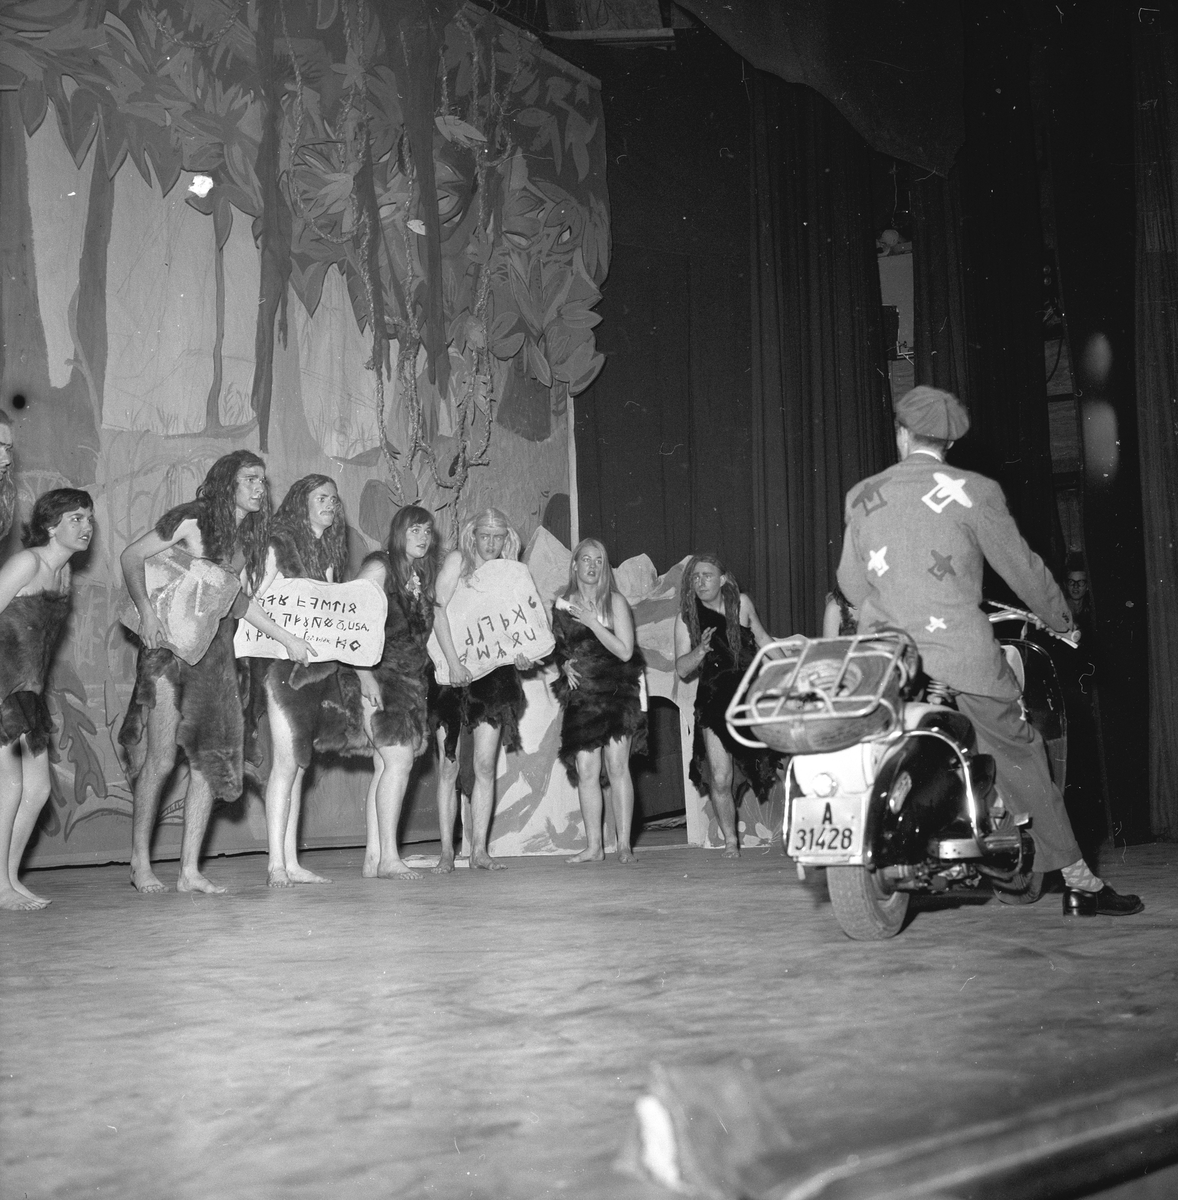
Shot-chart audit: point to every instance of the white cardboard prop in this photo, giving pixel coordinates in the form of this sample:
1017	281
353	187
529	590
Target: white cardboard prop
189	596
494	615
343	621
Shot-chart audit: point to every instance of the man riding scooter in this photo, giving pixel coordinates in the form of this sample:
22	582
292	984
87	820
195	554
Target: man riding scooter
916	538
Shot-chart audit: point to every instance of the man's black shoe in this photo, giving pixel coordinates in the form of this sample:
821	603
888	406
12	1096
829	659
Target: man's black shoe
1105	903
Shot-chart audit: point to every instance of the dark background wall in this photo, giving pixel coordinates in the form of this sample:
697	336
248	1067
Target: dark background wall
663	435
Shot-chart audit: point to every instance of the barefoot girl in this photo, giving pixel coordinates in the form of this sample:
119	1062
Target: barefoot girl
34	605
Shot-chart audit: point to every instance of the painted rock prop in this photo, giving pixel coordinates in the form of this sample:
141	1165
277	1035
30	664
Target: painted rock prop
189	596
494	615
343	621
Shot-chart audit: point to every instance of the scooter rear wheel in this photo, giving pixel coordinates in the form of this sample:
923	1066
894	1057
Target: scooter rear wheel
865	910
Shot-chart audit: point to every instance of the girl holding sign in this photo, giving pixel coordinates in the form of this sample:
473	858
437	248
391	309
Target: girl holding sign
308	708
396	692
34	607
489	706
600	690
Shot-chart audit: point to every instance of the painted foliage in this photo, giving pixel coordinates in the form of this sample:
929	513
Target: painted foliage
363	239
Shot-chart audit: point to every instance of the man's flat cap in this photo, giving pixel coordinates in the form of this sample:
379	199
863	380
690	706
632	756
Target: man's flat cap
931	413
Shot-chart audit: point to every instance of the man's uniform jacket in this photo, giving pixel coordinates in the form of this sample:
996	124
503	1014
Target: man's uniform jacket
916	538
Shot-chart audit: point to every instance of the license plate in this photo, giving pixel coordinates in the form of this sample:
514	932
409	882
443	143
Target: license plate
826	829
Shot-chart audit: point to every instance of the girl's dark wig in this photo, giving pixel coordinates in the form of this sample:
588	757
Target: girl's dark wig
316	554
49	510
219	491
402	565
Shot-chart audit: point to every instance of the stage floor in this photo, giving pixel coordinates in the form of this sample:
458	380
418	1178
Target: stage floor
486	1035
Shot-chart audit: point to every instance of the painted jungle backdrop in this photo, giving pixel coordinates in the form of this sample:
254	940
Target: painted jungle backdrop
365	239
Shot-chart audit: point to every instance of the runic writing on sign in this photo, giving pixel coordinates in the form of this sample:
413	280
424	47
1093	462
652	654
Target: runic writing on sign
494	616
343	621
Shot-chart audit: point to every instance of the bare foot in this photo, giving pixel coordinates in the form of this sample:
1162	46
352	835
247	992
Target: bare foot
626	855
196	882
277	877
484	862
445	864
397	870
302	875
41	901
144	879
371	866
13	901
731	850
587	856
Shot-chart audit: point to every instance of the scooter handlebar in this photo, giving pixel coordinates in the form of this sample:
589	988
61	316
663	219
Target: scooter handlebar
1007	612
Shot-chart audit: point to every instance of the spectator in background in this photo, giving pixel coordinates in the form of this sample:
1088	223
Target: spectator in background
1084	790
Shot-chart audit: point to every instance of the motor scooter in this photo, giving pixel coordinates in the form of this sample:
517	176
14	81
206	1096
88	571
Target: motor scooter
886	791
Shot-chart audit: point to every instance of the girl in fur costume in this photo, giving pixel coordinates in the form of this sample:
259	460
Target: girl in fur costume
717	632
490	707
34	606
306	709
396	692
600	690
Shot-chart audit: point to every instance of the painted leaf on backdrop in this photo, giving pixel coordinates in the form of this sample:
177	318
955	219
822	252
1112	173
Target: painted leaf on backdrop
454	130
34	104
509	347
539	364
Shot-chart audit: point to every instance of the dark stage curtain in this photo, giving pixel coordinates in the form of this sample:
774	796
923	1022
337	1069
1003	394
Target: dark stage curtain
663	435
938	285
1089	94
892	68
821	402
978	278
1156	62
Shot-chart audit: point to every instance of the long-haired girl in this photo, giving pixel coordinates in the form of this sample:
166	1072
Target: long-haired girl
307	709
490	707
600	689
396	692
717	632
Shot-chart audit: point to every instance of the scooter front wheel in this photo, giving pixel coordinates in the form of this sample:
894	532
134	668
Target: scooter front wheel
865	909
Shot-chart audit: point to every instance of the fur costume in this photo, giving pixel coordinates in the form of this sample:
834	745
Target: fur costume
209	696
30	628
606	704
404	672
719	677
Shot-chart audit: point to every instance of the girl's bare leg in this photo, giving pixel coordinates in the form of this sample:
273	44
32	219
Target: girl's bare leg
592	805
393	779
18	816
482	800
295	871
621	794
720	762
447	797
283	772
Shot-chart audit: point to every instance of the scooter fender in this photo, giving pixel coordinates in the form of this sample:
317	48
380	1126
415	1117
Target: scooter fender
918	793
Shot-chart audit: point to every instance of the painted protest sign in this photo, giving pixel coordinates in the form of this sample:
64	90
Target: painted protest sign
189	596
343	621
494	615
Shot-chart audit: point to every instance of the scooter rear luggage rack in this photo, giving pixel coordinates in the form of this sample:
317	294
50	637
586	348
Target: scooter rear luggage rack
802	695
